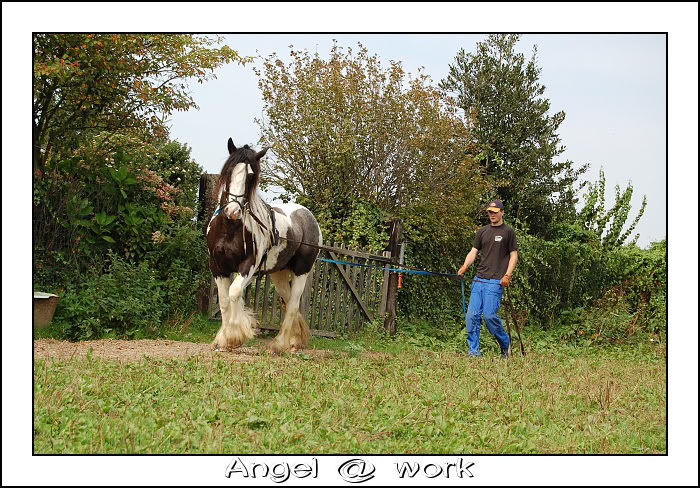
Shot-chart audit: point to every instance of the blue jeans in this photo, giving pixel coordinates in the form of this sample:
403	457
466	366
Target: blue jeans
485	298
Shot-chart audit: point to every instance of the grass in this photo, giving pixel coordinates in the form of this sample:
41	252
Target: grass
368	396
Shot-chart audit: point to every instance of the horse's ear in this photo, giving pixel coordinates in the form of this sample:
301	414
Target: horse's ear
260	154
231	147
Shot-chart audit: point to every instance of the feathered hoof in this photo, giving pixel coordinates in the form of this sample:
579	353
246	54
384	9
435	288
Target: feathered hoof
227	344
278	347
216	347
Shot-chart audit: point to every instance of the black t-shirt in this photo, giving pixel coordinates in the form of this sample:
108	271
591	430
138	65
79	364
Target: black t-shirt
495	243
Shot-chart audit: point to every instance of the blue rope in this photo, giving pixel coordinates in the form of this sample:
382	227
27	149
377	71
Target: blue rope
464	301
397	270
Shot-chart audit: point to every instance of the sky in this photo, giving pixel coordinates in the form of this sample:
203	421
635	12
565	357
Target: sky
604	87
612	88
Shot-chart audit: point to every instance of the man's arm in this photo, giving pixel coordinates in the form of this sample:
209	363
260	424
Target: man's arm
468	261
512	261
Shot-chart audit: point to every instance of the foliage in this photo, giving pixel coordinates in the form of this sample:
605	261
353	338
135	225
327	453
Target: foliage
119	83
180	261
554	275
127	301
628	312
135	201
608	321
640	276
96	200
357	223
110	191
595	218
348	130
503	98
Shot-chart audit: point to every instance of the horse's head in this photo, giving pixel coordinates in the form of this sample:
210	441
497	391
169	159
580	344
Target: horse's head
239	179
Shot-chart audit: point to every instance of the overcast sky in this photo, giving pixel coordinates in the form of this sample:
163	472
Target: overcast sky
611	87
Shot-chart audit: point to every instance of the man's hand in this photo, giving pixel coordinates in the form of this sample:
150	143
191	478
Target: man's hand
462	270
505	281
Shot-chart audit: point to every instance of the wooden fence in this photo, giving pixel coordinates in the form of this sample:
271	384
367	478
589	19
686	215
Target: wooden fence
338	298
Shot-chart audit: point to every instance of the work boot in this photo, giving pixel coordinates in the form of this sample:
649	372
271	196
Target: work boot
504	353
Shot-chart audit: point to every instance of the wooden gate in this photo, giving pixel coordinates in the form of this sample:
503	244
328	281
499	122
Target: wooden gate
338	298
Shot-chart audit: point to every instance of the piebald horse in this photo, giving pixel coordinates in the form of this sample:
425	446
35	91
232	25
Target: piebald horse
249	237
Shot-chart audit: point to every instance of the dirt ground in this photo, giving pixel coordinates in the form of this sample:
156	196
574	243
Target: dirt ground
122	350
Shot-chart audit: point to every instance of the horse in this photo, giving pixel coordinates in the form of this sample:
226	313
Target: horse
249	237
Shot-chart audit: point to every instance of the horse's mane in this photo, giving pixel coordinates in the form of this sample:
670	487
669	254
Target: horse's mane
240	155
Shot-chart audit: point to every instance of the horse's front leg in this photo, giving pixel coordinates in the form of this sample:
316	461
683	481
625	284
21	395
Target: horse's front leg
237	322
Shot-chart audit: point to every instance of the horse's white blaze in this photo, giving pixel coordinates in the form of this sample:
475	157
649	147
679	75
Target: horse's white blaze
237	187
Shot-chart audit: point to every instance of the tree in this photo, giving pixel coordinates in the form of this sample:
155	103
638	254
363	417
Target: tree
346	129
504	100
595	218
114	82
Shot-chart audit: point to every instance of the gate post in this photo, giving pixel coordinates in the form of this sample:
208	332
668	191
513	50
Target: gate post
207	205
394	248
207	196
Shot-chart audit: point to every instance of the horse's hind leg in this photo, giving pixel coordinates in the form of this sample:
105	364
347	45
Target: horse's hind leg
237	323
283	288
294	333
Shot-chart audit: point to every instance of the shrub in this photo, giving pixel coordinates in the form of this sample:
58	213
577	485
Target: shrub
180	288
609	321
117	200
106	196
127	301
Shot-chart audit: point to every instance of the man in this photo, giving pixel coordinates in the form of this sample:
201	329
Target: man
499	254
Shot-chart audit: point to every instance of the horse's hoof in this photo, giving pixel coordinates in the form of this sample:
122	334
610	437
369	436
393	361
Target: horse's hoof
276	348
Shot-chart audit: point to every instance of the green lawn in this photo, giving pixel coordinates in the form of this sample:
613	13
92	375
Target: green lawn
354	400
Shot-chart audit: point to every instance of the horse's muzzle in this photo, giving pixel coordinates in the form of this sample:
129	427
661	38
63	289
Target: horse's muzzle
234	210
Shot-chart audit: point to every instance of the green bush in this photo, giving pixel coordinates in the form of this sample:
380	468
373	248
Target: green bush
126	301
552	276
641	276
180	289
116	200
113	193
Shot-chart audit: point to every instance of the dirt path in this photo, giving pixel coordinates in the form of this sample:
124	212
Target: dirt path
122	350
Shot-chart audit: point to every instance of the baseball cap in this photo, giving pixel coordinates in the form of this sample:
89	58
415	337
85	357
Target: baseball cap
495	206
